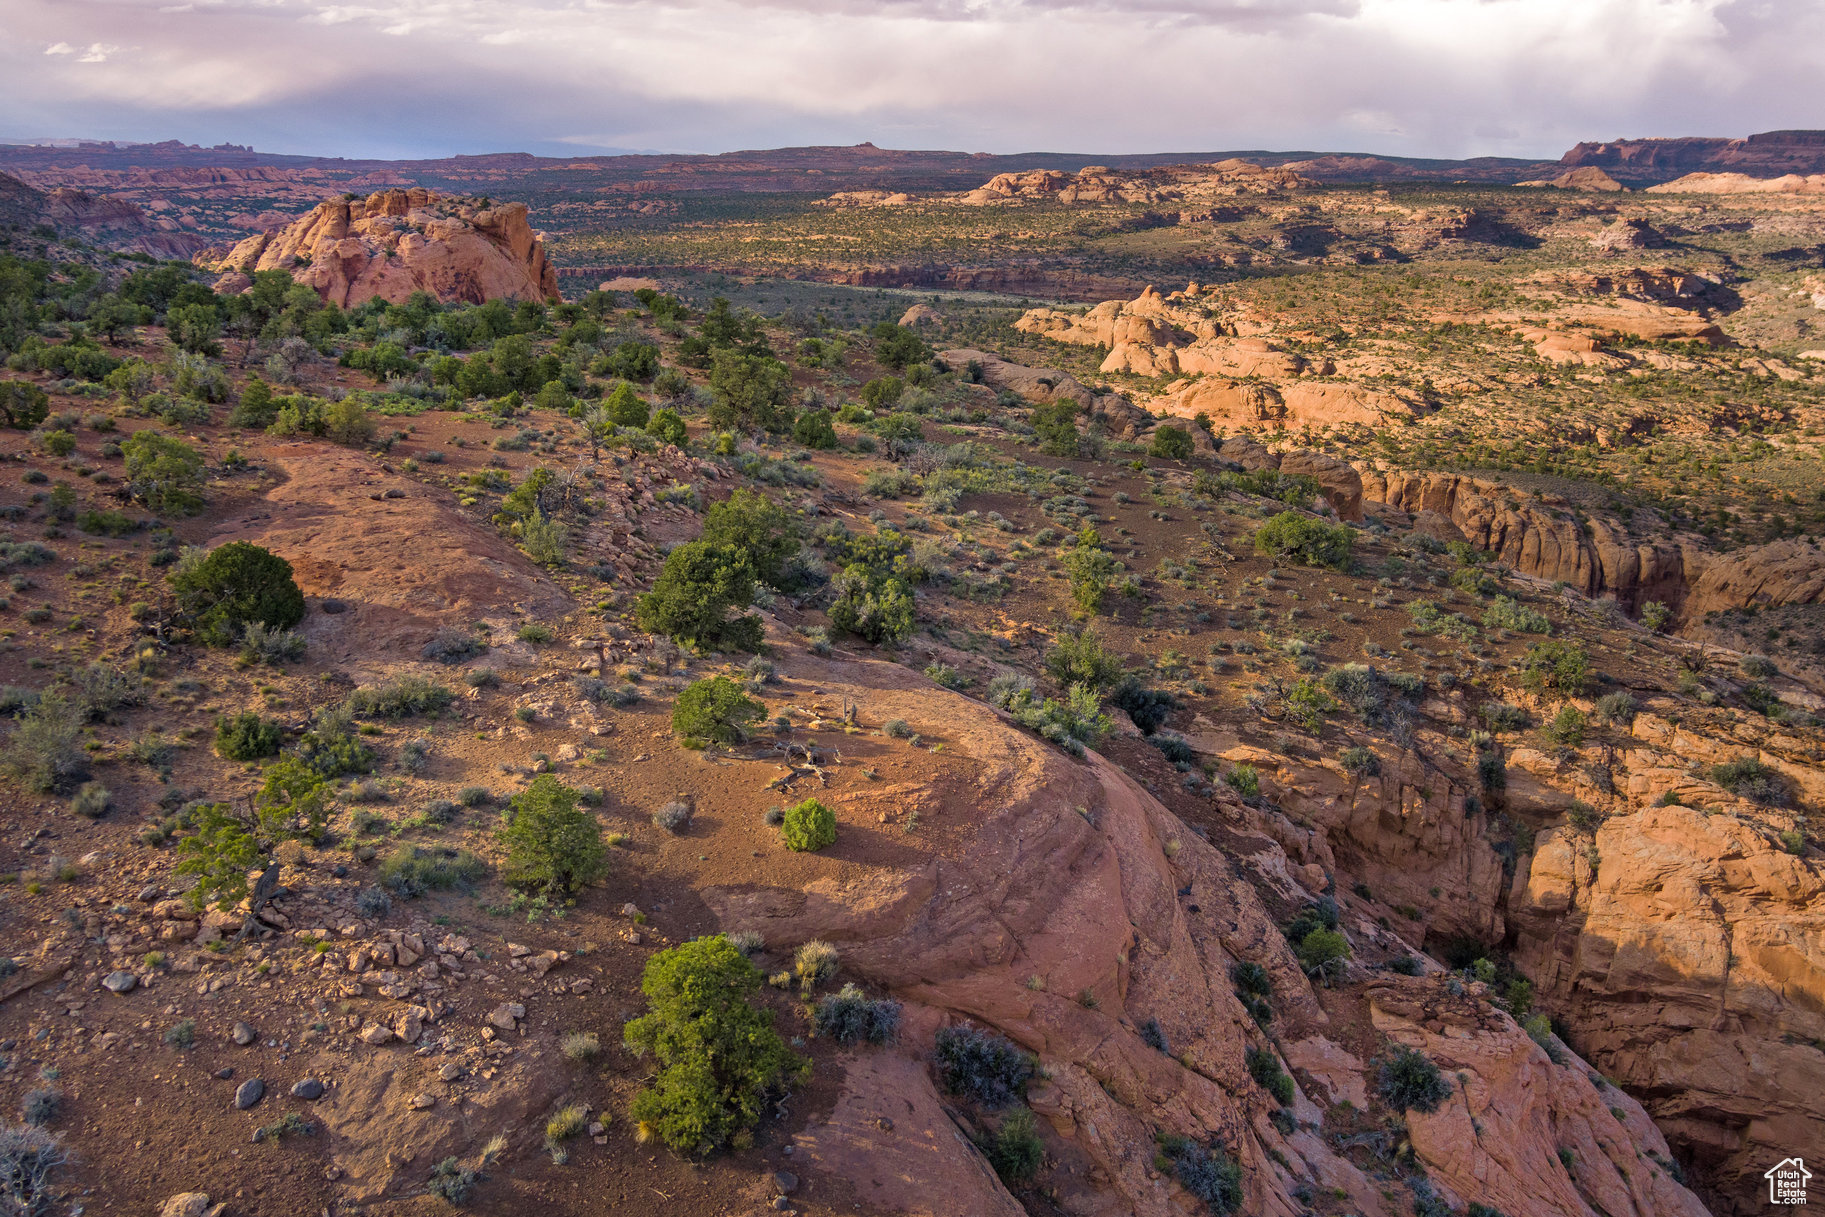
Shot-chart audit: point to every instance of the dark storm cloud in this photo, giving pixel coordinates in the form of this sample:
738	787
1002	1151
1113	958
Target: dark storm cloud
428	77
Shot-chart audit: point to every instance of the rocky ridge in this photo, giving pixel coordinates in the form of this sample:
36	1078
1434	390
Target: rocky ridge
397	242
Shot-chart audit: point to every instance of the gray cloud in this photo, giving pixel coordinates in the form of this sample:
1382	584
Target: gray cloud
430	77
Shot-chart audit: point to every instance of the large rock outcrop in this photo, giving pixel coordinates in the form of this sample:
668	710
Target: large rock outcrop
1685	949
396	242
1059	903
1597	555
1166	183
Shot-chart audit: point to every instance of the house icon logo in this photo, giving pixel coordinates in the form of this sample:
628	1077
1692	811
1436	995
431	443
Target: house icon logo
1787	1182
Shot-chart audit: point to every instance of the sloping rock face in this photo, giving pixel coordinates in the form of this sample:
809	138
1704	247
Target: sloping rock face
1769	576
1545	1109
1684	947
1254	404
1585	177
1063	906
396	242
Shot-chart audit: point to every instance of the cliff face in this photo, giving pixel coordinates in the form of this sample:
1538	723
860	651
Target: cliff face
1597	556
397	242
1768	154
1069	910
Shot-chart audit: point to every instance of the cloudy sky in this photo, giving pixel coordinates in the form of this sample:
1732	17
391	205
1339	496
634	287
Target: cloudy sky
399	78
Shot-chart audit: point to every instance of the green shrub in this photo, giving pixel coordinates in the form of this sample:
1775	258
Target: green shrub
107	523
1616	709
1322	954
1567	727
1655	615
45	752
980	1065
813	429
716	710
1170	443
697	587
1359	762
753	524
1014	1148
91	801
1307	540
1081	659
1208	1173
246	737
23	405
412	870
1293	489
872	605
1748	778
219	853
668	427
1556	667
717	1058
232	586
1091	570
748	390
1409	1081
1055	426
1245	780
551	843
401	697
1508	614
165	474
1265	1068
808	826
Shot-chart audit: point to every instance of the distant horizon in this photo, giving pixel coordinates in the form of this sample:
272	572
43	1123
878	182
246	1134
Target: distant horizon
73	142
427	79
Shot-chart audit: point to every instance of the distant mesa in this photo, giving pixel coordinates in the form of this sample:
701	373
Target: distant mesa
1742	183
106	222
396	242
1586	177
865	198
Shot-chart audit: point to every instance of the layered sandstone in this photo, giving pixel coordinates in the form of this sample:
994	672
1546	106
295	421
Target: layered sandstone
1167	183
1068	908
397	242
1683	947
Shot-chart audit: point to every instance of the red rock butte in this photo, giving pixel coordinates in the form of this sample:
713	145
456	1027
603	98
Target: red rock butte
396	242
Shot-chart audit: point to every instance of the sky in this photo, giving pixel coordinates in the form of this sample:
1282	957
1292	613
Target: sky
419	78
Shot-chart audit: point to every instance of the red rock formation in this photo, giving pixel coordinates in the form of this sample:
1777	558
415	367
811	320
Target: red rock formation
397	242
1071	908
1683	946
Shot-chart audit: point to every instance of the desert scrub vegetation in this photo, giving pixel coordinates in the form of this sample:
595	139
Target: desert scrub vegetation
716	1056
401	697
849	1016
1556	666
1507	614
1306	540
1409	1081
246	737
1208	1172
551	845
808	826
714	710
220	593
982	1066
1074	723
1013	1147
1746	777
413	870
